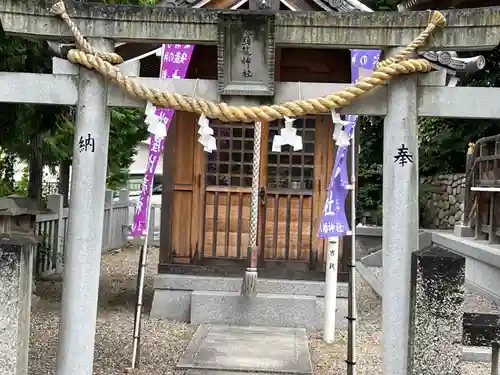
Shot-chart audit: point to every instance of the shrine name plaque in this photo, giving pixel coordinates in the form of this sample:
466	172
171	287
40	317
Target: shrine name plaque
246	54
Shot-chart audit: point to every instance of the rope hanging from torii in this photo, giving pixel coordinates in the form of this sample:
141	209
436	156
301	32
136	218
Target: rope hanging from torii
103	62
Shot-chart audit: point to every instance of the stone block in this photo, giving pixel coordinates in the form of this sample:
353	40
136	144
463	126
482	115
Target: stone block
172	304
130	68
64	67
16	269
340	313
373	260
252	350
461	230
373	277
233	284
368	231
424	239
481	330
437	305
274	310
483	279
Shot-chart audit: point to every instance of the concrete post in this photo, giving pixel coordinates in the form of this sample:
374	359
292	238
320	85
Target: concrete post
123	196
75	353
152	225
108	221
400	219
55	202
494	360
331	275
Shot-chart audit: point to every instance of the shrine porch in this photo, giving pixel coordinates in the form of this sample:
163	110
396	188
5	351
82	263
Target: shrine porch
215	299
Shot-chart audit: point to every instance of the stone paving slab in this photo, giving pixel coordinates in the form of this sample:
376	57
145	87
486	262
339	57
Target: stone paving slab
221	372
247	349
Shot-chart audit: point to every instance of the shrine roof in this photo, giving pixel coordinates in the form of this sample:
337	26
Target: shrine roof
307	5
150	66
466	29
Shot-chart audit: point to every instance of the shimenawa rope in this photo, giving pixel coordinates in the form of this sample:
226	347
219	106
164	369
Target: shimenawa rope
102	62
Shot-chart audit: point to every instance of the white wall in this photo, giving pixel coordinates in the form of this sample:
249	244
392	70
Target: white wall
48	176
141	160
138	166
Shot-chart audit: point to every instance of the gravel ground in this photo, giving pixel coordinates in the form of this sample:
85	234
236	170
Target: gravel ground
329	358
163	342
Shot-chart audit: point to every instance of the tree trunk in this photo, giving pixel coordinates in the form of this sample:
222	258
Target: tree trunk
64	168
35	180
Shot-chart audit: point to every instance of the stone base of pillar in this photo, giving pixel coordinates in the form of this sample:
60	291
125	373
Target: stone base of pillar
16	269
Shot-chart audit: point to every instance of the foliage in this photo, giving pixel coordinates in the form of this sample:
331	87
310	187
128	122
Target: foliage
21	123
6	173
127	129
442	142
386	5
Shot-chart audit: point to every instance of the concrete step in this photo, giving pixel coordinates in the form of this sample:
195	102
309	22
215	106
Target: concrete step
222	372
275	310
233	284
223	350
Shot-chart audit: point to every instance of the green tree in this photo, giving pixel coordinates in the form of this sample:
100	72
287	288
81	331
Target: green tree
43	135
442	142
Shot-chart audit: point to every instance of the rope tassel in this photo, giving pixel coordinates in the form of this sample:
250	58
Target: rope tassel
103	63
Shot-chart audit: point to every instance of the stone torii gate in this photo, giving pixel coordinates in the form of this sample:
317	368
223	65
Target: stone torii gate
402	101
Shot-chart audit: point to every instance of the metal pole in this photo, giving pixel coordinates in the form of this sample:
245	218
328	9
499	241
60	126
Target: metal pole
82	258
351	304
141	274
494	359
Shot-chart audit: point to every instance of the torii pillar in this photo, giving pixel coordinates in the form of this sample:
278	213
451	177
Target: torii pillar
400	219
82	258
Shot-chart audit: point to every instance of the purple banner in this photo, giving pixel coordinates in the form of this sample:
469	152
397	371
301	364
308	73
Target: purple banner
174	64
334	222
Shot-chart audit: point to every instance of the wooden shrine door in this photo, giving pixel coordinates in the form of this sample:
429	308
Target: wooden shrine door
183	170
291	189
228	191
293	184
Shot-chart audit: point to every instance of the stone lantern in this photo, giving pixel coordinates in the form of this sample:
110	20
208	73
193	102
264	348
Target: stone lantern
17	242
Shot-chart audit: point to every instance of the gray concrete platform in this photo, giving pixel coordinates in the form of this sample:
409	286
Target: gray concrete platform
275	310
217	349
233	284
215	296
